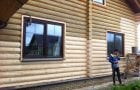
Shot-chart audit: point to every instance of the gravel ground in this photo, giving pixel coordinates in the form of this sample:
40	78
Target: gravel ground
107	85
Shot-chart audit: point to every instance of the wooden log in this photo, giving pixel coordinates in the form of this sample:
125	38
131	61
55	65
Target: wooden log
76	43
10	62
9	50
28	83
9	44
10	32
9	56
10	38
39	77
80	13
100	74
30	66
75	47
40	72
13	26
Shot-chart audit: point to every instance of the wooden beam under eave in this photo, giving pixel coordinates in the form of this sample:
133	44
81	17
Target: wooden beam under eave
134	5
8	8
137	16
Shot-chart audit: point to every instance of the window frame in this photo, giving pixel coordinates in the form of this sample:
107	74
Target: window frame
98	3
123	41
44	22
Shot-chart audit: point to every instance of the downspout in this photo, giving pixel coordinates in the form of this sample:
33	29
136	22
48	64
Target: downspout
138	3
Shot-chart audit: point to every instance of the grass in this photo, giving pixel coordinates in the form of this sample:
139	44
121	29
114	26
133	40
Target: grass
130	86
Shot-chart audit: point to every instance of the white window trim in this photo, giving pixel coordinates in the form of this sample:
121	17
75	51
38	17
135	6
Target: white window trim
99	3
44	59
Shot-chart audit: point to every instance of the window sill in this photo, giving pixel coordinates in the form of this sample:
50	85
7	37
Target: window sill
122	57
41	59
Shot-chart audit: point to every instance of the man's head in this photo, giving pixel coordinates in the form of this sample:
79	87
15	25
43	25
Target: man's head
116	52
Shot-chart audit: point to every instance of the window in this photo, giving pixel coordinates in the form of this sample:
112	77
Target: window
42	39
115	41
100	1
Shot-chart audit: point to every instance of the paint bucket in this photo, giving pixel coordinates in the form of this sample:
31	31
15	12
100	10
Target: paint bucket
134	50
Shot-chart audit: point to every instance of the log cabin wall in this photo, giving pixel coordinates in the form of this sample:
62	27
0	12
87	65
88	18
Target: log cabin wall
13	72
85	41
115	16
137	16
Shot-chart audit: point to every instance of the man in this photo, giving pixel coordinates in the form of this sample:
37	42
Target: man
114	60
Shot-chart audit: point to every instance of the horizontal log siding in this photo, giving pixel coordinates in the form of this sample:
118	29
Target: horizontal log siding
83	30
13	72
116	16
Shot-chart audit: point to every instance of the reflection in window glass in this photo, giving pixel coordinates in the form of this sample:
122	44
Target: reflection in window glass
110	42
118	43
115	41
34	40
54	34
99	1
42	39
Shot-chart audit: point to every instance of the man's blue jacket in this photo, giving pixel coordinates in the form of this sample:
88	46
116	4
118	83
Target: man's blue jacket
113	59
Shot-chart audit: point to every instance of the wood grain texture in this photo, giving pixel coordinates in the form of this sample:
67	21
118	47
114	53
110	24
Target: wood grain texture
116	16
13	72
85	41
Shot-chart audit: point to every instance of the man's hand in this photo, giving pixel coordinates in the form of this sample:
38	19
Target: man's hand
118	54
116	62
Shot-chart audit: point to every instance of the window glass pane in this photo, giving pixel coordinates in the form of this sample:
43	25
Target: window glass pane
42	39
99	1
119	43
34	40
54	34
110	43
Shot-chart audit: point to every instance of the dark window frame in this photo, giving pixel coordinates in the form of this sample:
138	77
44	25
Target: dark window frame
44	22
116	33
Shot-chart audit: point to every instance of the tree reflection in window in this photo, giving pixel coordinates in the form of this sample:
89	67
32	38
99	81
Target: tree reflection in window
110	43
34	39
54	34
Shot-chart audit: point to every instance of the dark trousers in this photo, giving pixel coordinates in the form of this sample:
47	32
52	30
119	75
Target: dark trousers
117	70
